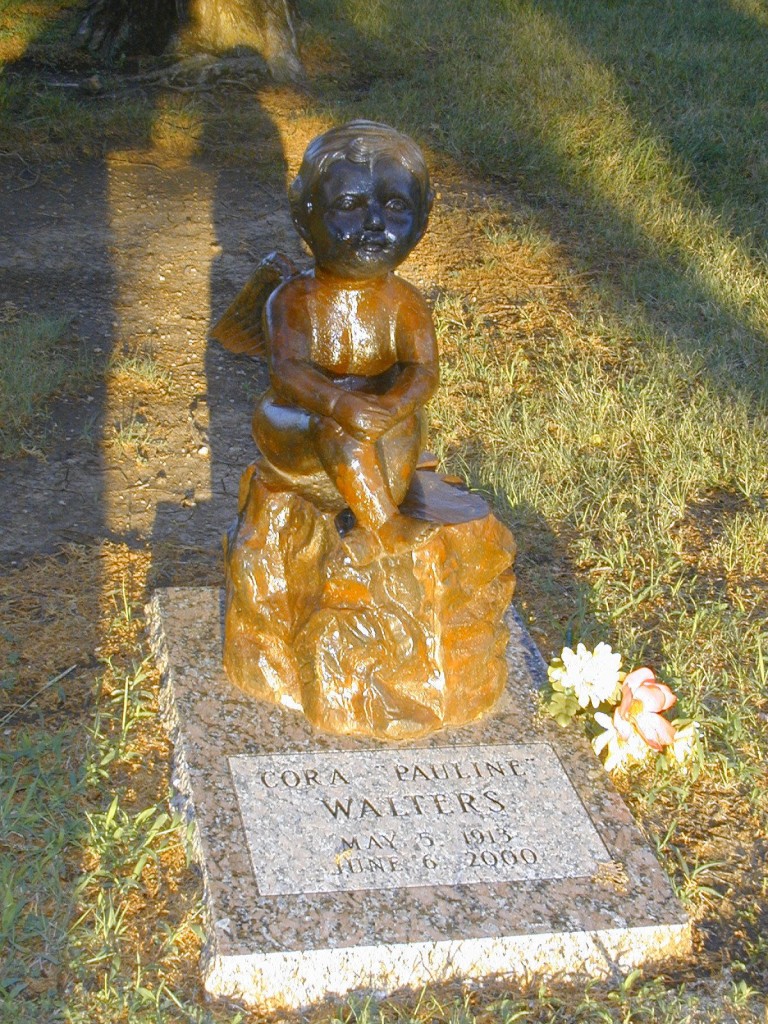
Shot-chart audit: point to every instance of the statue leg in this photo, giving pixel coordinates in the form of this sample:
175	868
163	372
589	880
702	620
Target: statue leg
356	469
281	432
373	480
289	461
315	458
400	448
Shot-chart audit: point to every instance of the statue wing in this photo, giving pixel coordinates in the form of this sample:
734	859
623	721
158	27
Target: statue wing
240	329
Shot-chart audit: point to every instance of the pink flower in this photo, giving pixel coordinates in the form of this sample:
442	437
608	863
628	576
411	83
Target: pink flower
642	700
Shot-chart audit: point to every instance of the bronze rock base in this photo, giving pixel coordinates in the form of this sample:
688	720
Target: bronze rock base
395	649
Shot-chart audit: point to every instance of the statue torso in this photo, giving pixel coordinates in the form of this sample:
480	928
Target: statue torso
349	330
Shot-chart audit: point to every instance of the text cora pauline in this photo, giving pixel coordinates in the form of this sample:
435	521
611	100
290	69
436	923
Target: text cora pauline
404	804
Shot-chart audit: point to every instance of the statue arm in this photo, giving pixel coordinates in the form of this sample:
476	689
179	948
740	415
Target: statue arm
363	416
417	358
297	381
414	387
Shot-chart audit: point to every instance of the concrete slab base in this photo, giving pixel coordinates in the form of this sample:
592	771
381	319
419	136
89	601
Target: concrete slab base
334	866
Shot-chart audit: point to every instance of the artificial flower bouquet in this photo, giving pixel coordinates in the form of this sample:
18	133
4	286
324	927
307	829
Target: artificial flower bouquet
583	683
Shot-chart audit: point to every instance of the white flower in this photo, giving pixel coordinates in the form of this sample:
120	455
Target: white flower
592	675
621	748
685	744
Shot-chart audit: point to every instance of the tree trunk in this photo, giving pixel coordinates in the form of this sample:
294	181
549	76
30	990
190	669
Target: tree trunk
129	28
263	25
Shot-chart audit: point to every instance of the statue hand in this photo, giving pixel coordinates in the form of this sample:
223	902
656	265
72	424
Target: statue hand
362	416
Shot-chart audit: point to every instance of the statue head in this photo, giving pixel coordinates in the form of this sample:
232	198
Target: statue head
361	199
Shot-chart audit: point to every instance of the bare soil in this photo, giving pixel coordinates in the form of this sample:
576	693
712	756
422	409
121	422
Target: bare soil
138	253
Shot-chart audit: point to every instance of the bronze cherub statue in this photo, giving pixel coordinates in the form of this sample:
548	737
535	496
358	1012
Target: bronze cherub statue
352	360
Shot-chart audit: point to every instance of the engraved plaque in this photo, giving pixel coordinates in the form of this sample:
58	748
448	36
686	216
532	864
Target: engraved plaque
396	818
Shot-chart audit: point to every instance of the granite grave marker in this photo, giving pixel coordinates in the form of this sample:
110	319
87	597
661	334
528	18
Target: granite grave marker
334	865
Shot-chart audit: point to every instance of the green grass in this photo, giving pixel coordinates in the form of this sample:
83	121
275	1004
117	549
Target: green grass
61	103
621	427
44	119
606	108
132	433
79	852
24	25
55	101
39	774
141	368
38	360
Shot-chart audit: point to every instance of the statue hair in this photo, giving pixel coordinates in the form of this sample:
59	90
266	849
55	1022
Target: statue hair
361	142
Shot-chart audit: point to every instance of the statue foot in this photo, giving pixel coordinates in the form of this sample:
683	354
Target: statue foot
399	534
361	546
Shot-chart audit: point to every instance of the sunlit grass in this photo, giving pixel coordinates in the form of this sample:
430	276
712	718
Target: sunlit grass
619	417
597	101
23	22
177	127
140	368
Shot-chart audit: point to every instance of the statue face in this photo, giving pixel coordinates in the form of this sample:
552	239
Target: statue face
364	220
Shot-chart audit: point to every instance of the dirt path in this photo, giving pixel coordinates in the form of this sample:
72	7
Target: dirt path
137	255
